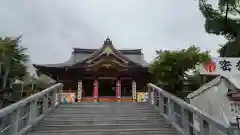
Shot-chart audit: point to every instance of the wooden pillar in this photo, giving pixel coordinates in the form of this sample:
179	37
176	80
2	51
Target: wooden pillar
95	90
134	90
79	94
118	89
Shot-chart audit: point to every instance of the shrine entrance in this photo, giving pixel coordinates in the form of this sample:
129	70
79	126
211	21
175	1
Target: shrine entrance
107	88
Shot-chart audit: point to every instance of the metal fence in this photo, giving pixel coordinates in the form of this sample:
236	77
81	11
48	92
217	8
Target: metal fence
18	118
184	117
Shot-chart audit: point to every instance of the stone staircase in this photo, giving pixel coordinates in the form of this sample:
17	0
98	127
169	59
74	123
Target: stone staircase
109	118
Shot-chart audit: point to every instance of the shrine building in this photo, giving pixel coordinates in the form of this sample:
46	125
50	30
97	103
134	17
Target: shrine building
104	74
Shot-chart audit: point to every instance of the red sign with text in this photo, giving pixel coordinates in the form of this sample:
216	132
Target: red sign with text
95	89
118	89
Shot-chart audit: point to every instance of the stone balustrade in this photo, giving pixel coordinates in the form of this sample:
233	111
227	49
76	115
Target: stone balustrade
18	118
181	115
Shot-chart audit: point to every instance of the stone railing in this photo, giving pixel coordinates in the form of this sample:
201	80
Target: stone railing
19	117
182	116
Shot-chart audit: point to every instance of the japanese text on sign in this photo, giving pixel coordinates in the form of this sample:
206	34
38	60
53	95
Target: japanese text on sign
221	65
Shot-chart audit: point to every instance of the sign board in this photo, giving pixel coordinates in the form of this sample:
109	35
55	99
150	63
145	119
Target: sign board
142	96
134	89
234	110
95	89
118	89
221	66
68	97
79	94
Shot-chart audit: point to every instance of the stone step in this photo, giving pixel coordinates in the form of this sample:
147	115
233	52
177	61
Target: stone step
109	132
99	126
46	122
102	115
163	130
99	111
89	106
103	119
100	122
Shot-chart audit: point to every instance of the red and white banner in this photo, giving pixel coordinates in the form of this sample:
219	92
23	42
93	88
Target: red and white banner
95	89
118	89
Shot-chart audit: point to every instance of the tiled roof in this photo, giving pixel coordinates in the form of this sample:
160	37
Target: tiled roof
79	55
234	80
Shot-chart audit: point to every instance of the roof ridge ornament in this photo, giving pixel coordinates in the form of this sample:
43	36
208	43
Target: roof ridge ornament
107	41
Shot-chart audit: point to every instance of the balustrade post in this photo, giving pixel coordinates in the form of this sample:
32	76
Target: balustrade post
155	94
152	95
161	102
59	94
15	122
185	121
45	103
171	110
204	127
202	132
149	94
54	94
32	112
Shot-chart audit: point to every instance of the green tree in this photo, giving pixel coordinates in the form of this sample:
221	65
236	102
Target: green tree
13	58
170	67
223	20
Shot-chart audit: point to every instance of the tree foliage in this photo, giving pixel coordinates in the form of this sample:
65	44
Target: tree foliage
170	67
13	57
223	20
230	49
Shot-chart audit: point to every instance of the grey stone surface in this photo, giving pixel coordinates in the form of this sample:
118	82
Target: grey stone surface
103	119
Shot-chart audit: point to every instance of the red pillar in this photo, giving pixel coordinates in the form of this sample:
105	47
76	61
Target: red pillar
95	89
118	89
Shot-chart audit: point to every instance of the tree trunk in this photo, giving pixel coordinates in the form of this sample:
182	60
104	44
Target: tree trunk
5	77
4	83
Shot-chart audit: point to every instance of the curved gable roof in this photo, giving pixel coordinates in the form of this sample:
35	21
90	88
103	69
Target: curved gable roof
81	54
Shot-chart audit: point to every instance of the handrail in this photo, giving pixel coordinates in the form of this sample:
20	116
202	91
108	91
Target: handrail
181	114
18	118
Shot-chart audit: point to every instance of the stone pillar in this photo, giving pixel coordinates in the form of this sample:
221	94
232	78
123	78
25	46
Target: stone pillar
118	90
134	94
95	90
79	93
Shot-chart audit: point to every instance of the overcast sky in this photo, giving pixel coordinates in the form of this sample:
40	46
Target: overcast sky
51	28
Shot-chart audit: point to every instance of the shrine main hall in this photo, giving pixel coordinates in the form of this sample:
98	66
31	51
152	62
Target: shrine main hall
104	74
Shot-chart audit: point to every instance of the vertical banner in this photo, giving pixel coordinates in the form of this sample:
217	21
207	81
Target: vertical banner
118	89
95	89
134	90
79	94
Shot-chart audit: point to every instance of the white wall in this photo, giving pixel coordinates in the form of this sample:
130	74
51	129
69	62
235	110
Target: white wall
214	100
